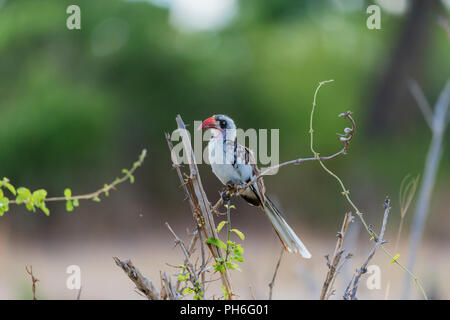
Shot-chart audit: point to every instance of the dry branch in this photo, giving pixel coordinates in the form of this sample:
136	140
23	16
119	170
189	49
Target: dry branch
272	283
187	187
168	291
200	205
33	281
338	252
142	284
193	275
351	294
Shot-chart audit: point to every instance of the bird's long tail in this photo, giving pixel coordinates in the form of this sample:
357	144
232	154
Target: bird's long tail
287	236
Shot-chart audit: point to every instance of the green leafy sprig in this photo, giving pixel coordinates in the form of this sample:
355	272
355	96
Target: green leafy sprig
38	199
233	251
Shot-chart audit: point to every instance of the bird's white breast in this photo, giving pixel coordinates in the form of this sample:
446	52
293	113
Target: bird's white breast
222	159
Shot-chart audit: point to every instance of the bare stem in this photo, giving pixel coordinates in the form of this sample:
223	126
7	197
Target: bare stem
33	281
272	283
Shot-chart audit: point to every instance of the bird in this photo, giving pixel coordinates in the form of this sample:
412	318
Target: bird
234	165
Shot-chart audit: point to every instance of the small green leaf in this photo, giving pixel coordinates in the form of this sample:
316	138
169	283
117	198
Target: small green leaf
187	291
395	258
45	209
131	179
220	226
239	259
96	199
239	233
233	266
68	193
4	205
23	195
75	202
39	196
9	186
69	206
238	250
216	242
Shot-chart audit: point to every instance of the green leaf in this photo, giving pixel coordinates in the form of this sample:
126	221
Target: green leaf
187	291
131	179
220	226
238	250
75	202
30	206
233	266
4	205
69	206
9	186
239	233
239	259
216	242
23	194
39	196
395	258
96	199
44	209
68	193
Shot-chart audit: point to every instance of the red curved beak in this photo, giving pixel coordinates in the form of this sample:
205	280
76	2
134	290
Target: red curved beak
208	124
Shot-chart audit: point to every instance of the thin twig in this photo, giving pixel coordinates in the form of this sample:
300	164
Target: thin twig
338	271
408	189
33	281
192	272
190	251
272	283
79	294
345	138
338	251
251	292
378	242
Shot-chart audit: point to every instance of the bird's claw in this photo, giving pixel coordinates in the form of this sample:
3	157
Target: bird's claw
226	196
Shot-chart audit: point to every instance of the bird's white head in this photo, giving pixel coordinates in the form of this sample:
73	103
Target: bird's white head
223	125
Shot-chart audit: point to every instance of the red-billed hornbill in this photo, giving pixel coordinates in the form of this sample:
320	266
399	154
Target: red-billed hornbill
234	165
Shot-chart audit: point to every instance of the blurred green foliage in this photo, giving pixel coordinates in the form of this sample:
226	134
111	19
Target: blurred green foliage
92	98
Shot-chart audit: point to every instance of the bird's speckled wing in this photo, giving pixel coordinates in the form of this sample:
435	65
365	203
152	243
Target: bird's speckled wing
244	161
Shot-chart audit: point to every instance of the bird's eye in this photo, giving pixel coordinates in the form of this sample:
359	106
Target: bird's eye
223	124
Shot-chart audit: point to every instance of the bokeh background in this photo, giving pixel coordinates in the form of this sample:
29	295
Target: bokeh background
77	106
